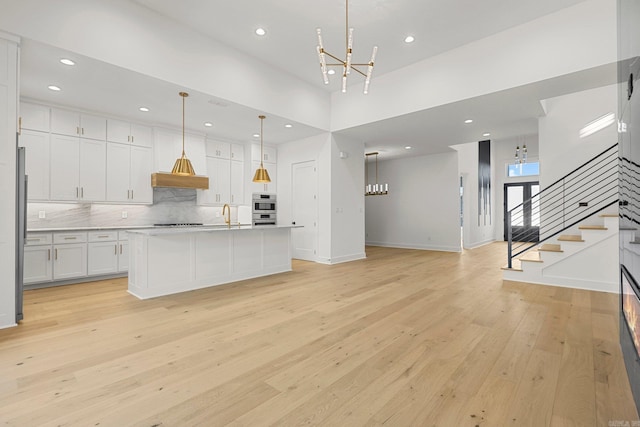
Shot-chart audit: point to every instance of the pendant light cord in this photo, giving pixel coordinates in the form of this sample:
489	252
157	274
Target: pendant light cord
183	95
261	152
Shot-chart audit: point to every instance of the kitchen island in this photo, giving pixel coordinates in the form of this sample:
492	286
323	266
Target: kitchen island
171	260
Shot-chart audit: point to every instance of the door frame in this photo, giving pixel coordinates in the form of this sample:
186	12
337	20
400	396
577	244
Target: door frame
526	195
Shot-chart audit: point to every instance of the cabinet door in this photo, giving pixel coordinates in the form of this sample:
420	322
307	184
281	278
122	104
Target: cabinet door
141	168
65	122
123	256
118	189
269	154
223	176
93	170
69	261
65	166
37	163
34	117
210	196
141	135
118	131
237	183
102	258
93	127
37	264
237	152
257	187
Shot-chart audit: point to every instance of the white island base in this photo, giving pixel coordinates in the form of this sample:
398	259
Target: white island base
168	261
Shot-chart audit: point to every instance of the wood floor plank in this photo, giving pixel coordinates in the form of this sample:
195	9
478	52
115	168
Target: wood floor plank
402	338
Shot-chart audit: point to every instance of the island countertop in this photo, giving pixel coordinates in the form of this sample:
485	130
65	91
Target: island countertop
160	231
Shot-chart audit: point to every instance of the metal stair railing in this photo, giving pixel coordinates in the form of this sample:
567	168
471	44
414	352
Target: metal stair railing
629	193
583	192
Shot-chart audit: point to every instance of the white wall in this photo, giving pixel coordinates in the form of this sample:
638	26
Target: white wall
477	229
561	148
128	35
315	148
8	121
422	208
570	40
347	200
504	152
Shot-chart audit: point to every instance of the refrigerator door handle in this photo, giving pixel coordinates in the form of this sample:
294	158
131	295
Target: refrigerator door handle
24	211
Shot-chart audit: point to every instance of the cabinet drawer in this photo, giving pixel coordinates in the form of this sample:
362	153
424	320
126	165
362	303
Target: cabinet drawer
75	237
102	236
34	239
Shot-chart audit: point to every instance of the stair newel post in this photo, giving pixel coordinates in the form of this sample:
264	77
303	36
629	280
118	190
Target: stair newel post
509	239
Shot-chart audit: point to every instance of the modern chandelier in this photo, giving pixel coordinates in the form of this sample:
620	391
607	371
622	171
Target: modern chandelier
346	65
521	158
373	189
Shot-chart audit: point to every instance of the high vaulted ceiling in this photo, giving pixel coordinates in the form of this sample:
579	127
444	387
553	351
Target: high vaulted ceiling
289	48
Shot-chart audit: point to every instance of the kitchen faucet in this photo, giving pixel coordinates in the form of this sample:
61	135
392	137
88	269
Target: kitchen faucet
227	219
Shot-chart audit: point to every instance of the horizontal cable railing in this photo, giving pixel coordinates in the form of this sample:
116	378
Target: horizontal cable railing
585	191
629	191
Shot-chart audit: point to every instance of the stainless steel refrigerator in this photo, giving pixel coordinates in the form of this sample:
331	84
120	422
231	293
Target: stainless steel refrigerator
21	226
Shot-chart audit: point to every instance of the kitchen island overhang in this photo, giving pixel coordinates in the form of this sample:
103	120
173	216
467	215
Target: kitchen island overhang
169	261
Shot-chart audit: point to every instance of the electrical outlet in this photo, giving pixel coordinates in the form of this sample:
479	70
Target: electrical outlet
42	214
125	215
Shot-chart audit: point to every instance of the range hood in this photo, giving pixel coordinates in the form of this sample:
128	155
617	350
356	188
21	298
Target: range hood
172	180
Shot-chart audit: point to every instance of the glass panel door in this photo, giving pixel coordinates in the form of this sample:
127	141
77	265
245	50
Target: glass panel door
525	211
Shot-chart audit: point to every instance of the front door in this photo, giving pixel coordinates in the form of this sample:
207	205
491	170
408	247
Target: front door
525	219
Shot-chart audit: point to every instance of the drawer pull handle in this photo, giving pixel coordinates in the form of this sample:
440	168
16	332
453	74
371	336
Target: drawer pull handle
69	238
48	254
103	236
120	249
56	254
33	240
115	249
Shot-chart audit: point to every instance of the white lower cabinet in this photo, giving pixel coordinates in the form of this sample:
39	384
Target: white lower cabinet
69	261
38	265
74	255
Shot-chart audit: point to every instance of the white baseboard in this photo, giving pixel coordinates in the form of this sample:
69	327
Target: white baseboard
414	246
476	245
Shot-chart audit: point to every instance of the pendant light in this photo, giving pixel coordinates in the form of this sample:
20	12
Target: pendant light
374	189
261	174
183	165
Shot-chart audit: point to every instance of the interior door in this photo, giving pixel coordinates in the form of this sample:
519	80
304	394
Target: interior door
525	221
304	203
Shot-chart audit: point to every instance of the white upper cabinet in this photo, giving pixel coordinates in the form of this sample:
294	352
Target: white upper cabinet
268	153
129	133
237	152
218	149
36	163
78	169
167	148
129	169
64	122
34	117
237	183
270	187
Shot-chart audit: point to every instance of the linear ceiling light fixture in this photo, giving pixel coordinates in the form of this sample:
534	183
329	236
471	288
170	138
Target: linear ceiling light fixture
373	189
598	124
346	64
261	174
183	165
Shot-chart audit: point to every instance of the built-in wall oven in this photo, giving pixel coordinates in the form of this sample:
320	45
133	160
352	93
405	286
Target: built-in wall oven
263	207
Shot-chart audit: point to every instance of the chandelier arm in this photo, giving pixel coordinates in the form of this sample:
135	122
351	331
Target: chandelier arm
334	57
358	71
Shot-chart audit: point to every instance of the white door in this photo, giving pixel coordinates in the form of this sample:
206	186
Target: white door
304	204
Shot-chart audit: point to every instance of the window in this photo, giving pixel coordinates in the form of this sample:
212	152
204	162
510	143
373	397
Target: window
523	169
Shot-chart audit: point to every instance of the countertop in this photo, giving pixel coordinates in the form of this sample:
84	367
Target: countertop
128	227
158	231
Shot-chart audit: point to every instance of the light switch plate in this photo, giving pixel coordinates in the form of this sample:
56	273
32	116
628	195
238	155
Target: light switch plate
124	214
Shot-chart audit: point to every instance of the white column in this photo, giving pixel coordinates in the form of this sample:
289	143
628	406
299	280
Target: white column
8	126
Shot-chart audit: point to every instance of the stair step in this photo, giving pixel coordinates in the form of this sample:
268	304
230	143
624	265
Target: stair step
550	247
592	227
570	238
531	256
609	216
627	229
515	266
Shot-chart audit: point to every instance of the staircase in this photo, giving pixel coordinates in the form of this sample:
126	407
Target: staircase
584	257
576	231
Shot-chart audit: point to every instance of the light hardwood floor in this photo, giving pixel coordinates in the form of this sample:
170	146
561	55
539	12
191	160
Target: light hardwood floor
403	338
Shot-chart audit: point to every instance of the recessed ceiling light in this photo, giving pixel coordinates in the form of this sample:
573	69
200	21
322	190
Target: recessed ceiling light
67	61
261	31
486	134
408	147
208	124
54	88
331	72
256	135
468	121
288	125
144	109
409	39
